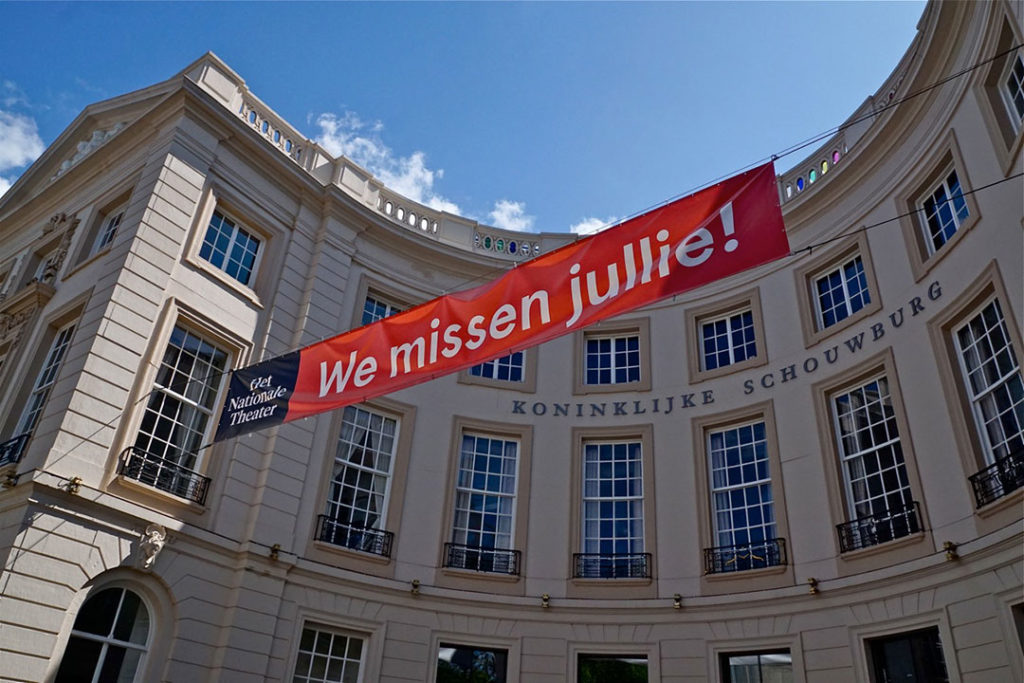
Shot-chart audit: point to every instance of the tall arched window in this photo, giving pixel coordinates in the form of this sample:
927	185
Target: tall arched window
109	639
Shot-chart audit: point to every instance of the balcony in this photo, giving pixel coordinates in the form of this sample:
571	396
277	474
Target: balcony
738	558
887	525
354	537
161	473
494	560
999	479
611	565
12	449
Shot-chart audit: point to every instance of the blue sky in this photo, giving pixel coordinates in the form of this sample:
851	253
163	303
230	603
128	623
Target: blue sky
531	116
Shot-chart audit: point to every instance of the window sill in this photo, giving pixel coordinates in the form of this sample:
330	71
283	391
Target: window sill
616	388
722	371
480	575
243	291
1010	500
611	581
819	336
360	555
152	491
881	548
746	574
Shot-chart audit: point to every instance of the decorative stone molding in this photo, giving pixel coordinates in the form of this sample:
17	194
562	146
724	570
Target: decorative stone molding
152	542
84	148
59	222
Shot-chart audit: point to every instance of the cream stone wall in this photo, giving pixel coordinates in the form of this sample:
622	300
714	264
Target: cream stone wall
241	574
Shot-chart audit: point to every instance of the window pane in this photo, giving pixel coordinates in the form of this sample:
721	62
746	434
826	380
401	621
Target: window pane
612	669
469	664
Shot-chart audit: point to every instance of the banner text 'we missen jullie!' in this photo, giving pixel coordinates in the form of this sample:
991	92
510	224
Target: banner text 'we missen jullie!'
715	233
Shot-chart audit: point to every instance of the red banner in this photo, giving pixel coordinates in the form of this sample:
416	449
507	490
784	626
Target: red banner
715	233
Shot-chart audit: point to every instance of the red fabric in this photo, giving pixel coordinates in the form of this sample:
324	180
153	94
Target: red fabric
691	226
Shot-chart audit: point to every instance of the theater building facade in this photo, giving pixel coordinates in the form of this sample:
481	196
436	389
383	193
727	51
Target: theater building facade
809	471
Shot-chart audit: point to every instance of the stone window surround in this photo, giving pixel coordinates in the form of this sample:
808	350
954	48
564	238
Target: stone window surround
337	555
513	646
528	385
988	285
615	327
652	651
700	427
1007	136
737	303
266	228
909	200
175	313
890	552
623	588
464	579
827	260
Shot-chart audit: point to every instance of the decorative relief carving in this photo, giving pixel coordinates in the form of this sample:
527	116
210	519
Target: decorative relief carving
152	542
87	146
56	259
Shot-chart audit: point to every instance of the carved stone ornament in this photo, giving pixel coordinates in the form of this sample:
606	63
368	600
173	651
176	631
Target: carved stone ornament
86	147
152	542
56	260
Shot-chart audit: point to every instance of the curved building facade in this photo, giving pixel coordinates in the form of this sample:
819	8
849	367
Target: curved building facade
810	471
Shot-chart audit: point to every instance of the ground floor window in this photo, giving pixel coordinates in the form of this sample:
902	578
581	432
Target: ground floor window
108	640
607	668
775	666
912	657
471	664
328	656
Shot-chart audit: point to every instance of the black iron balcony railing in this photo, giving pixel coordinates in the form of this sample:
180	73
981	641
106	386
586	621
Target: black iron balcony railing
886	525
611	565
161	473
999	479
738	558
374	541
11	450
494	560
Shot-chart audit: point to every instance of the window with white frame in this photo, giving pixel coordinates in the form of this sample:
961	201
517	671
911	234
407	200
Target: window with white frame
230	247
1012	89
361	481
109	222
943	211
727	340
328	656
994	383
483	524
743	517
108	640
841	292
874	472
613	508
377	308
44	381
178	414
611	359
507	368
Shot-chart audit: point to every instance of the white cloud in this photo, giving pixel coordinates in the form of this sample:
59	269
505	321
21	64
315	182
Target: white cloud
20	143
510	215
591	225
361	142
5	185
